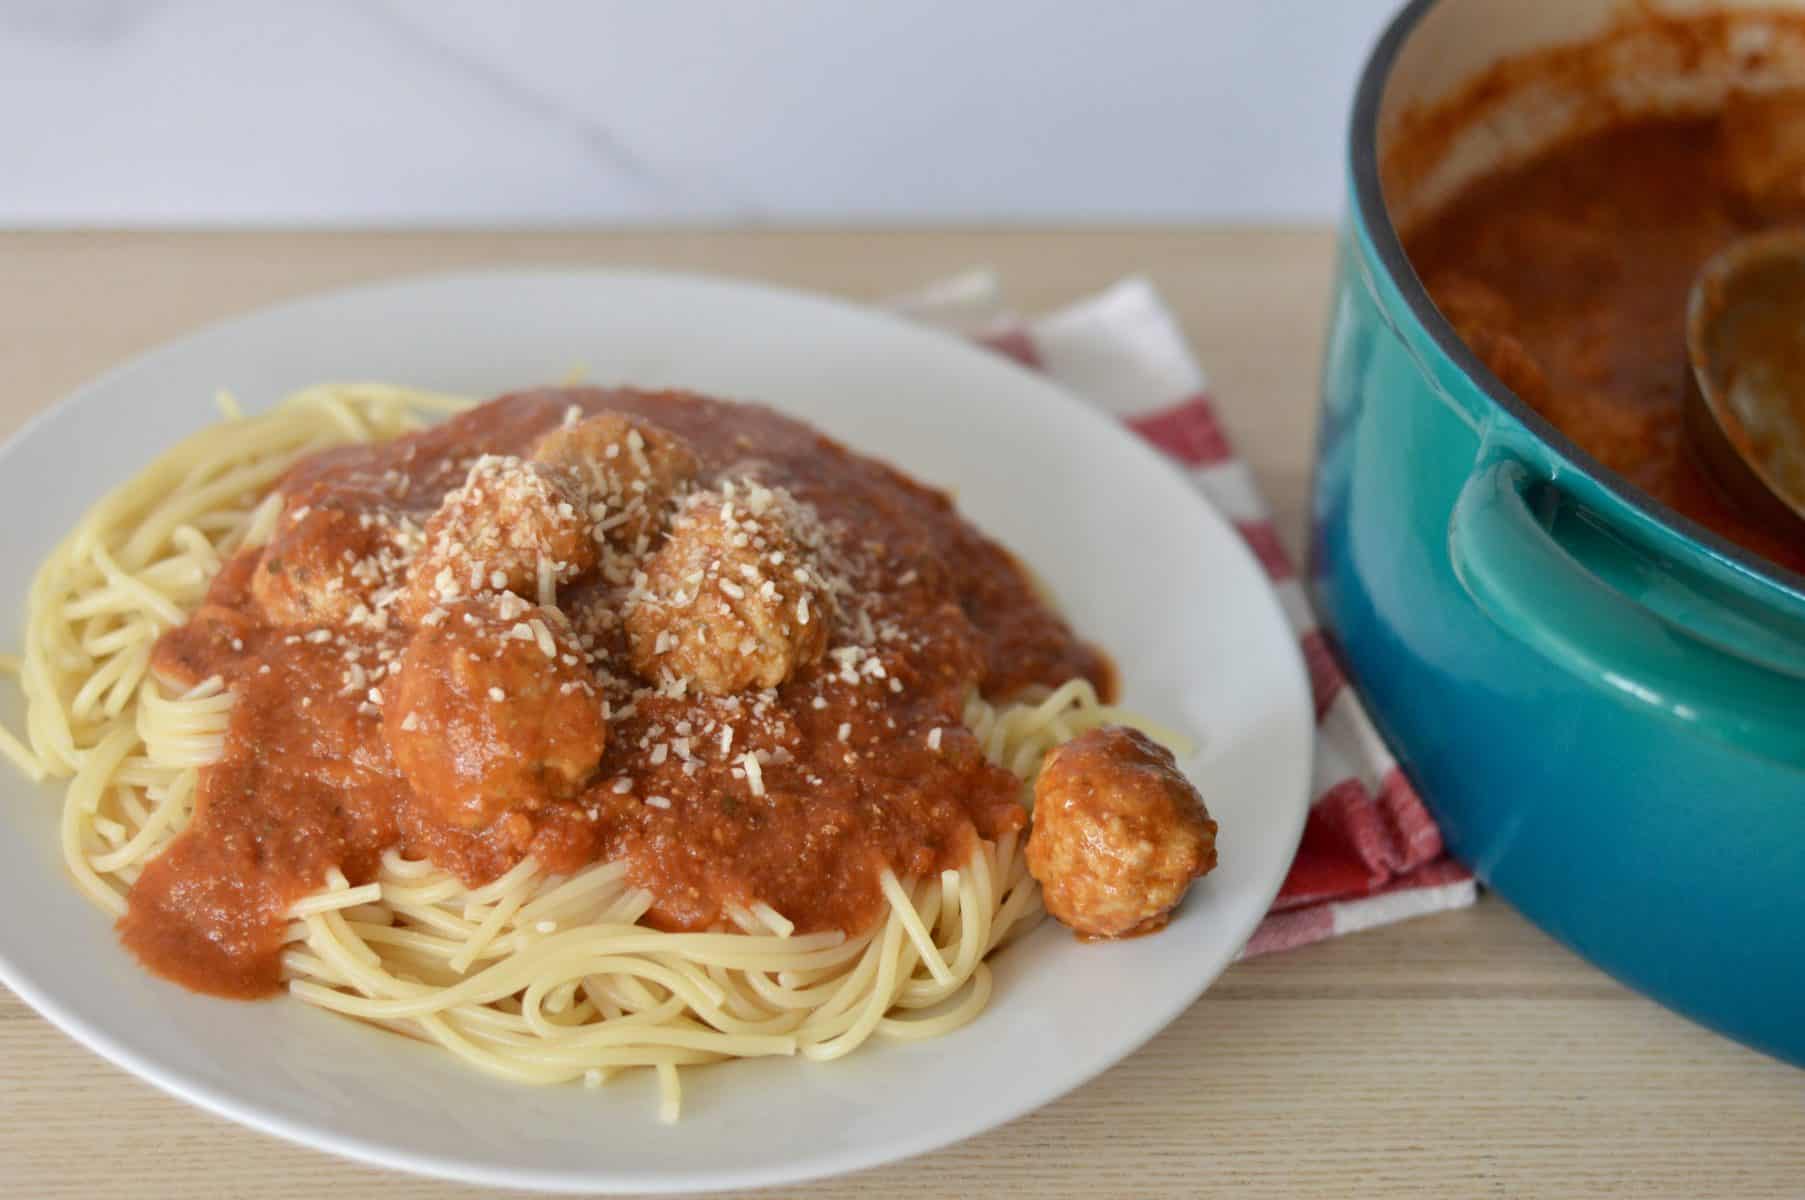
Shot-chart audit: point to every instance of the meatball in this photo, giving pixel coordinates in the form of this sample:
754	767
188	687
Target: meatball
1118	833
494	533
733	599
491	711
325	563
1761	138
630	468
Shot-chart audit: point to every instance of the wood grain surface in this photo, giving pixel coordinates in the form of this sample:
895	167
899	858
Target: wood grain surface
1459	1055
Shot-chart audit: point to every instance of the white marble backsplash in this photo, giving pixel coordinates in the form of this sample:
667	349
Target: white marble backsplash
459	112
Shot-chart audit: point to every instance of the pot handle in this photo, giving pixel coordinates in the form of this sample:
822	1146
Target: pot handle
1540	592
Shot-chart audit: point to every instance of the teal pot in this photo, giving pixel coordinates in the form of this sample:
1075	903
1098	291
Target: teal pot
1603	702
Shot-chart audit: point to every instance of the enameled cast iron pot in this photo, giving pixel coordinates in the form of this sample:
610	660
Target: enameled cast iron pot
1603	702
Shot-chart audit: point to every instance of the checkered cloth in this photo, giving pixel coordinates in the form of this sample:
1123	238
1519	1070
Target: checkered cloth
1371	854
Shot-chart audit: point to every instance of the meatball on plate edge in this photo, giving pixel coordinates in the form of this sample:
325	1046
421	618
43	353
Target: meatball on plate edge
1130	553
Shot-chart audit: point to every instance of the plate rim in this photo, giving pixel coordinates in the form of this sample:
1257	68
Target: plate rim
370	1150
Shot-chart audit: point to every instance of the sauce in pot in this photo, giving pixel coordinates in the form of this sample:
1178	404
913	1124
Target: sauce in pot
1569	277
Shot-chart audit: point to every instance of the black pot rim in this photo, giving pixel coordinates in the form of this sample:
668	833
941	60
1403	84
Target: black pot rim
1370	210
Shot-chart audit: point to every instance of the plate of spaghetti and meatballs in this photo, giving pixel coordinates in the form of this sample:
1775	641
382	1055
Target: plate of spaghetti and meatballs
813	742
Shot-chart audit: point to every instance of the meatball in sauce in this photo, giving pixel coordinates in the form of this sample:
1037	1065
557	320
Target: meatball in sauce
1119	834
493	712
630	471
512	524
734	599
328	559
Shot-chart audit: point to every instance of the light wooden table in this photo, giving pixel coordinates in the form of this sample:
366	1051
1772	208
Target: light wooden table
1459	1055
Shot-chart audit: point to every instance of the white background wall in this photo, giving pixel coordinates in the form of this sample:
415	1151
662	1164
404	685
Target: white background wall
446	112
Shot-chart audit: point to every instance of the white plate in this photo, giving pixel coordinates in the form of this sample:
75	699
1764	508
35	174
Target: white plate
1138	561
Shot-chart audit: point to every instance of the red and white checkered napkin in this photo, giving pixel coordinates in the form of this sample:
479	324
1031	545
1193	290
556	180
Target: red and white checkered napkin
1371	854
